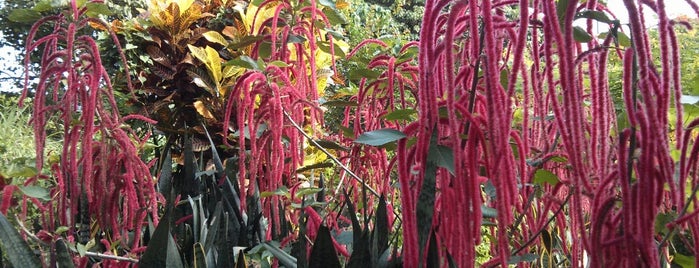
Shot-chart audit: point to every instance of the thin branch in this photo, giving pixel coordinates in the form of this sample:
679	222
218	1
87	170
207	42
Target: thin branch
332	157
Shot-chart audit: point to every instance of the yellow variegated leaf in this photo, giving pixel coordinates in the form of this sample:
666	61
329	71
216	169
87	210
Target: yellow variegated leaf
213	62
202	110
198	53
342	4
184	5
215	37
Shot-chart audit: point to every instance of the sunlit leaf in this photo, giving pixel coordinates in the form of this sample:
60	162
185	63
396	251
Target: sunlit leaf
314	166
327	3
380	137
36	192
202	110
24	15
215	37
325	47
95	9
544	176
400	114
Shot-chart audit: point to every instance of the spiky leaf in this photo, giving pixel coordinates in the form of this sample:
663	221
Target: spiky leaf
323	254
18	252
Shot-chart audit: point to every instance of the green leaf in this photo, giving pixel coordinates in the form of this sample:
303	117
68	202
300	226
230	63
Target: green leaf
63	258
162	249
19	171
359	73
279	64
245	62
504	77
442	156
335	16
426	198
296	39
199	256
308	191
97	9
380	232
594	15
561	7
580	35
325	47
400	114
544	176
684	261
489	212
323	253
24	15
624	39
326	144
15	248
380	137
283	257
36	192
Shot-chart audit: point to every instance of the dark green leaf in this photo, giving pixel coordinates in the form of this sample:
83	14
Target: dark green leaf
544	176
323	253
36	192
307	191
594	15
16	249
442	156
546	240
426	198
380	232
400	114
283	257
296	39
96	9
245	62
561	7
162	250
241	263
489	212
246	41
325	47
327	144
315	166
359	73
380	137
63	258
433	252
24	15
580	35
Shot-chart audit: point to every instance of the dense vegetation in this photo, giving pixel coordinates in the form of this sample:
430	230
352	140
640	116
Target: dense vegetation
220	133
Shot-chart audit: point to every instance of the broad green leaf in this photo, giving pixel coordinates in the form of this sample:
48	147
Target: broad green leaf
580	35
15	249
96	9
561	7
325	47
593	14
215	37
442	156
323	253
380	137
684	261
36	192
24	15
624	39
504	77
19	171
198	53
358	74
335	16
245	62
400	114
327	144
162	249
296	39
542	176
279	64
